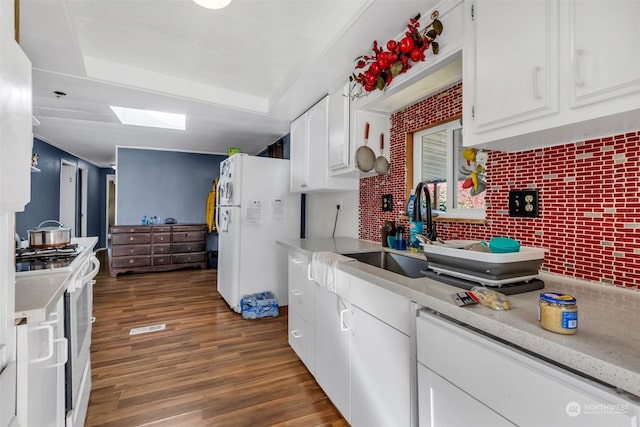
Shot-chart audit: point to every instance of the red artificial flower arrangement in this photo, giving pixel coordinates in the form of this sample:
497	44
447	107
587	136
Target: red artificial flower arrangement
384	65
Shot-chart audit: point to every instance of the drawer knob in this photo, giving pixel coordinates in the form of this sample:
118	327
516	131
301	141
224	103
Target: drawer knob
131	238
162	239
131	251
131	261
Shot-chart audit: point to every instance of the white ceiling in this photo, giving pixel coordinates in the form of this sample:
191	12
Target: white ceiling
240	74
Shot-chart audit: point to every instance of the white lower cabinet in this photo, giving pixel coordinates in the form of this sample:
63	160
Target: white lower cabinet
41	356
443	404
363	357
333	348
301	309
469	379
380	373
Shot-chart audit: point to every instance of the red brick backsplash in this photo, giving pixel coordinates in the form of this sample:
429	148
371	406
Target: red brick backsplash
589	207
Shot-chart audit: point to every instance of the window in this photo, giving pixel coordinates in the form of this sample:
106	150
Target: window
456	174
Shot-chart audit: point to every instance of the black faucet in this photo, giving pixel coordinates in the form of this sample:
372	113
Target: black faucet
422	190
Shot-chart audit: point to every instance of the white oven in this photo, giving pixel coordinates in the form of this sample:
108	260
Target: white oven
78	304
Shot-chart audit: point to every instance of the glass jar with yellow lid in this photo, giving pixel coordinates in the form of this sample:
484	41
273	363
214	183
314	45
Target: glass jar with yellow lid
558	313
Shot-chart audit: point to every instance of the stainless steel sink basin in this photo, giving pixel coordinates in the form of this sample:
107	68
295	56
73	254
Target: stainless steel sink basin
396	263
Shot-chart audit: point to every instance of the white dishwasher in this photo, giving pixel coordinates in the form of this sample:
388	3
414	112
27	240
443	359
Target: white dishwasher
468	378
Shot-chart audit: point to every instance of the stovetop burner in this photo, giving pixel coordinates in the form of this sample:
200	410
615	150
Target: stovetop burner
30	259
59	251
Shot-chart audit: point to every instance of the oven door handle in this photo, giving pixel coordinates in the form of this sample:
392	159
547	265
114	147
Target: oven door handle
49	355
96	267
65	349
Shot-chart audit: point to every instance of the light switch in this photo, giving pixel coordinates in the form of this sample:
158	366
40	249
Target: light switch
523	203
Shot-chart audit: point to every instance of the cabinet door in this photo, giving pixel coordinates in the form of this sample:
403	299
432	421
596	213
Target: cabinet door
515	61
380	373
339	150
605	65
7	316
42	354
299	155
16	137
317	140
443	404
333	348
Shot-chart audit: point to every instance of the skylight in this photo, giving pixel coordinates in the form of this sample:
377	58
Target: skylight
156	119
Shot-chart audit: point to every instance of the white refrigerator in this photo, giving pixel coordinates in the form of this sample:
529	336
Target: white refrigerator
254	208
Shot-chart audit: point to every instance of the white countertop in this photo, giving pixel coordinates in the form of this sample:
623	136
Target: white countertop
38	292
606	346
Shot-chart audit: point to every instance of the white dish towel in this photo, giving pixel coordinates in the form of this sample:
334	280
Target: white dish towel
323	268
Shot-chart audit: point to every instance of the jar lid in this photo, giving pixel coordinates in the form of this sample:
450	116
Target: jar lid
556	298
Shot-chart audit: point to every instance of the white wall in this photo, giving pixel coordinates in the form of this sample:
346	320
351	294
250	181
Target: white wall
321	214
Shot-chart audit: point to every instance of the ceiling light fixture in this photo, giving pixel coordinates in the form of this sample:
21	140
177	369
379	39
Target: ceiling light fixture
212	4
156	119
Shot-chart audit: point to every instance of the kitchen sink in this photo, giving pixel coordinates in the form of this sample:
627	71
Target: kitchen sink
396	263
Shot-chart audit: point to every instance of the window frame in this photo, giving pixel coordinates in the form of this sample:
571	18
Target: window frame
451	212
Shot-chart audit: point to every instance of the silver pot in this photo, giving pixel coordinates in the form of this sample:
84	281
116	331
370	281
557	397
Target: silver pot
51	236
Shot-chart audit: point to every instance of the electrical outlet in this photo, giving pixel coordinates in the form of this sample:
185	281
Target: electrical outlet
523	203
387	203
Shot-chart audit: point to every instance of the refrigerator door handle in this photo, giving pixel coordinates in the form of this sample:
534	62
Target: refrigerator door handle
216	215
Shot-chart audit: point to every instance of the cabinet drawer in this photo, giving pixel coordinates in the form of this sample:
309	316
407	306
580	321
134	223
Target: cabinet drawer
162	260
132	261
130	229
125	250
161	238
192	227
188	247
188	234
298	336
164	229
161	249
130	238
188	257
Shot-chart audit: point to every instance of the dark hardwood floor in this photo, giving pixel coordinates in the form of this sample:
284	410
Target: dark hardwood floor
209	367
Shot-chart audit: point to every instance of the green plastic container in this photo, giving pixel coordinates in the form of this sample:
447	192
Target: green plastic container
503	245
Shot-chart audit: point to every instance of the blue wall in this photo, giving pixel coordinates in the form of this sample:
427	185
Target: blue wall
45	192
164	184
149	182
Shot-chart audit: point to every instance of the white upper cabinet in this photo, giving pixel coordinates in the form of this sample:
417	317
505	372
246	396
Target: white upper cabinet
299	156
516	52
309	153
16	138
339	147
547	72
605	43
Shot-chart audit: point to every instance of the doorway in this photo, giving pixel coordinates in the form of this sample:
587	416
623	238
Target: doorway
111	206
83	174
68	195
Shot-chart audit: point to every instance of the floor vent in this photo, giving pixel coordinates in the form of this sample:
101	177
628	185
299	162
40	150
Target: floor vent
145	329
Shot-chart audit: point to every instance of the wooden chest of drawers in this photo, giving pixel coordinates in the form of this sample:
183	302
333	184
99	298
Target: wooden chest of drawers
157	247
